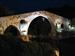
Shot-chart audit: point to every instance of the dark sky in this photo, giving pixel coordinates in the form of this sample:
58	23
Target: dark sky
26	5
56	6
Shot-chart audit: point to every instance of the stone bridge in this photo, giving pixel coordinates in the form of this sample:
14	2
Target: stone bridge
14	20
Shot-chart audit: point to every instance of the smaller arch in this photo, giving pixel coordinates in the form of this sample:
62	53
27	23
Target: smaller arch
12	30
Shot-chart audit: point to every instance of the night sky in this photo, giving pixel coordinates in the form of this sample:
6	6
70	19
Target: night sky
25	5
33	5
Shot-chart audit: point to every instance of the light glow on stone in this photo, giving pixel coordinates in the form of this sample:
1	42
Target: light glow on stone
29	19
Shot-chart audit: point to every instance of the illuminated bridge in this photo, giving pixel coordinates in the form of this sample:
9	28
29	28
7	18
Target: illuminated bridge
33	23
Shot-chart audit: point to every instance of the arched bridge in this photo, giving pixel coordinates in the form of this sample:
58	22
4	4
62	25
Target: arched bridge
46	20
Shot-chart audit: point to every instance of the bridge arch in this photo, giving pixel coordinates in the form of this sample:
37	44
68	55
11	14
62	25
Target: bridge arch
11	29
40	26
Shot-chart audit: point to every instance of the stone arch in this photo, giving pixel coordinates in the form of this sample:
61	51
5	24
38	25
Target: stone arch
40	26
50	19
12	30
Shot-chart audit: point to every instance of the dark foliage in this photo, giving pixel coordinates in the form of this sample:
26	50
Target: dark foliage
12	46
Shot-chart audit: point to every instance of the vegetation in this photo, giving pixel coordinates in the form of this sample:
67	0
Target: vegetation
13	46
